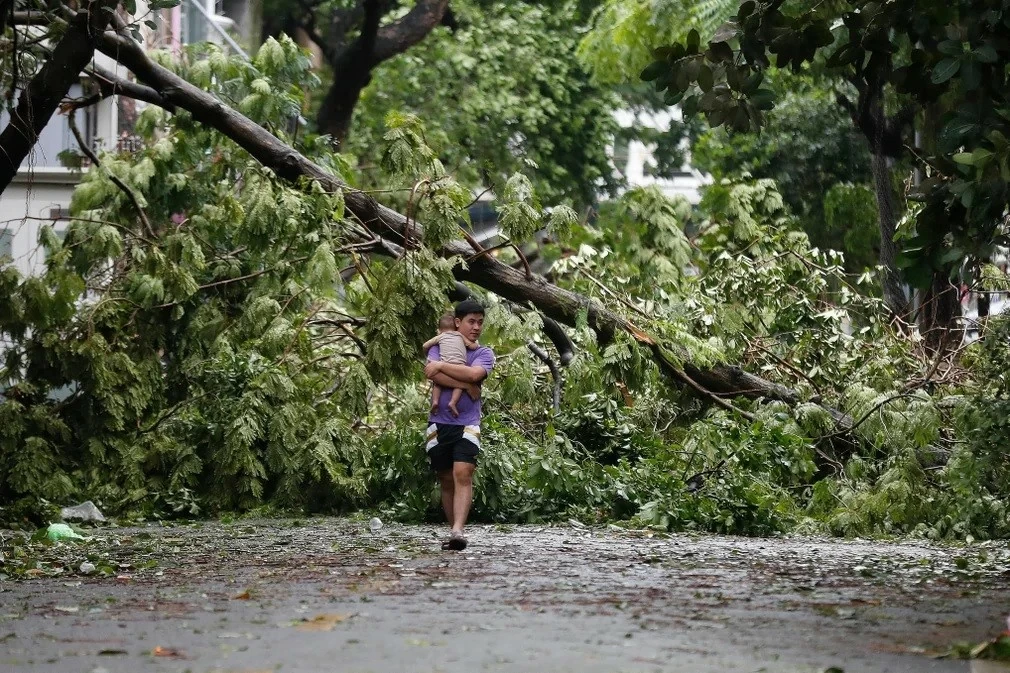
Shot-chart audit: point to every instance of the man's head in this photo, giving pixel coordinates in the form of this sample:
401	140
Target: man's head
447	323
469	319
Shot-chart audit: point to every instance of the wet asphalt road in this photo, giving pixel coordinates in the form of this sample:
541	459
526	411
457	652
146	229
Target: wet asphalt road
327	595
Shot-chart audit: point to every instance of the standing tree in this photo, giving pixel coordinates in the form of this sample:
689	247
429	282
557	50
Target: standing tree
355	37
504	93
938	67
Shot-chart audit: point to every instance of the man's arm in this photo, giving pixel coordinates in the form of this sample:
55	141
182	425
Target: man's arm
447	381
468	374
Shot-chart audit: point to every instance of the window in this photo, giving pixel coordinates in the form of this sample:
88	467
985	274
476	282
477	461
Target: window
6	245
194	23
57	137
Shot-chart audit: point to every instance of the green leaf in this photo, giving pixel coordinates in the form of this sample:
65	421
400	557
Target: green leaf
720	52
919	274
693	41
986	53
951	255
950	47
981	156
971	74
944	70
654	70
673	97
763	99
751	84
705	78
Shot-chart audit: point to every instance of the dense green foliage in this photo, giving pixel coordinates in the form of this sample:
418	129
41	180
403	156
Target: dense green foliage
807	143
213	357
502	94
944	63
820	163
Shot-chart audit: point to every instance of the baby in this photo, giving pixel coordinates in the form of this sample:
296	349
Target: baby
452	347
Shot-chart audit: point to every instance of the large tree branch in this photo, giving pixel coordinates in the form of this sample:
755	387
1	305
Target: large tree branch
404	33
113	85
512	284
47	88
30	18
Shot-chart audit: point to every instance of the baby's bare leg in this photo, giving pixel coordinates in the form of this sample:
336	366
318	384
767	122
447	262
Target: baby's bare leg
436	392
456	394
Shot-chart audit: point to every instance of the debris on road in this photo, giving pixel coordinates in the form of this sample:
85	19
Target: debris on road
86	511
61	531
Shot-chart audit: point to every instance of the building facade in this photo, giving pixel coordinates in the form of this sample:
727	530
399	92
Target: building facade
40	193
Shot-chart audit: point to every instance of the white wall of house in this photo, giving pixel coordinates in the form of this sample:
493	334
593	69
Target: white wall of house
40	193
636	163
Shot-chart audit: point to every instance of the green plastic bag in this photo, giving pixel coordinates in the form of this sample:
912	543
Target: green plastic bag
61	531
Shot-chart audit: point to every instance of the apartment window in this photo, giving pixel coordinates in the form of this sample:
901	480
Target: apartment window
194	23
6	245
57	137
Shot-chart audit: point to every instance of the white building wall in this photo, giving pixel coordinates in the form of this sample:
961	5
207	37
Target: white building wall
635	166
24	212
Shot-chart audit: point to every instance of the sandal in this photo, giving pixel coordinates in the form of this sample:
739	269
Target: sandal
456	542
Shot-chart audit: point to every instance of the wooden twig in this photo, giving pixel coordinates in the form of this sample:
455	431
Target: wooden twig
526	262
555	372
611	293
88	152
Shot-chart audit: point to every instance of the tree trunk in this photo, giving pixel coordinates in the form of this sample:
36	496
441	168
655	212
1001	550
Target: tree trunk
352	66
939	311
939	304
883	190
884	139
337	108
252	24
47	88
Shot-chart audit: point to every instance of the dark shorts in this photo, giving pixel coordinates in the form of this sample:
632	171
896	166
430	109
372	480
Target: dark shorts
448	444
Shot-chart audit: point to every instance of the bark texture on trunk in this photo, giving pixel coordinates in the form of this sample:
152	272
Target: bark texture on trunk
884	137
41	98
352	65
939	313
887	219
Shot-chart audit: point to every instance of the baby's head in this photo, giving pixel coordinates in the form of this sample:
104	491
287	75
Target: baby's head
447	323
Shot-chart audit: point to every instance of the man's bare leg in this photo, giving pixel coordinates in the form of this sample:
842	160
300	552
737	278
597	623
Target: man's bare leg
448	487
462	476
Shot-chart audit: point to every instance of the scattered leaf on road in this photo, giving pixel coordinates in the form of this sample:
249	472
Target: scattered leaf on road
323	622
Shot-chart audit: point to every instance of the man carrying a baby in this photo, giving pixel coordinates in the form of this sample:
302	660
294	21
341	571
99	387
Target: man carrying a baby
453	439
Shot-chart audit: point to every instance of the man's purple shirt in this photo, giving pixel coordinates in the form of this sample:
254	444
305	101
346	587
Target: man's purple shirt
469	410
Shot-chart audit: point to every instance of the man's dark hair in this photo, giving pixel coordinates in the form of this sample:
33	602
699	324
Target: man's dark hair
468	306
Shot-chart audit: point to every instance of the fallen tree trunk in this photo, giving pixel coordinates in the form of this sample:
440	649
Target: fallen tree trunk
718	382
